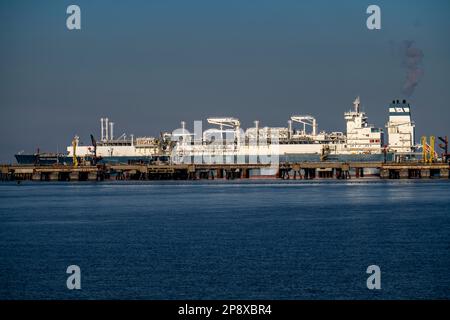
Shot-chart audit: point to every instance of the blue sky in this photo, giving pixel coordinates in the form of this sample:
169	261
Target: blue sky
147	65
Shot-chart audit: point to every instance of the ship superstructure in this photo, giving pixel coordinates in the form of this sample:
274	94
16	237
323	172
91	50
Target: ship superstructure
401	128
361	136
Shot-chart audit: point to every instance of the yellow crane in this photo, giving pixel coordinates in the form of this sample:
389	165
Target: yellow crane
428	152
424	149
433	157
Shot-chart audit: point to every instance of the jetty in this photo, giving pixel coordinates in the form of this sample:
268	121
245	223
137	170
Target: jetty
167	171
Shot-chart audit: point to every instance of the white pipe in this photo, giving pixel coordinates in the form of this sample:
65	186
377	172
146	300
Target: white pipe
102	130
111	134
106	129
290	128
257	131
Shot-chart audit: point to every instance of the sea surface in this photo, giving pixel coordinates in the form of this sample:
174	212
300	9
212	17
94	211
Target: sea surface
225	240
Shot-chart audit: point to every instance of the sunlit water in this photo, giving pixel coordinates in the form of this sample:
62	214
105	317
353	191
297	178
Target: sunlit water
225	240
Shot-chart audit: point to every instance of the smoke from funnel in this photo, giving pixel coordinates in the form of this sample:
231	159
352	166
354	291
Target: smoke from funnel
412	61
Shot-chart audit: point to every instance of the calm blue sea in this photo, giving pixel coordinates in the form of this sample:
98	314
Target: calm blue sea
225	240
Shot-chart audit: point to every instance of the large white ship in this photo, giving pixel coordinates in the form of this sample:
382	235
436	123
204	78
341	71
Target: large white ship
227	142
299	141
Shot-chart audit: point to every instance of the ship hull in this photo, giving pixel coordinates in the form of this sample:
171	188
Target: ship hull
48	159
39	159
360	157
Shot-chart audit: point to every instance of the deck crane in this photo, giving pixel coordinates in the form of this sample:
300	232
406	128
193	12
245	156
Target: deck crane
444	147
306	120
429	155
228	122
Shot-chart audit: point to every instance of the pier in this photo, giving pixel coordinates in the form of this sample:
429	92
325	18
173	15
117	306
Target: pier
284	171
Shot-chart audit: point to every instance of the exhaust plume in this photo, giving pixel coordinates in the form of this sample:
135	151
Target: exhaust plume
412	61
